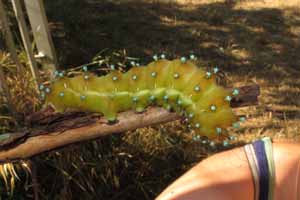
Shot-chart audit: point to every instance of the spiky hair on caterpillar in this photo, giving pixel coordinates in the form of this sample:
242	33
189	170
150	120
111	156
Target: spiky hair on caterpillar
177	85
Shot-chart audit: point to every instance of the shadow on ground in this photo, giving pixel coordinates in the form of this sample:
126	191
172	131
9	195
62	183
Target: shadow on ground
261	43
216	32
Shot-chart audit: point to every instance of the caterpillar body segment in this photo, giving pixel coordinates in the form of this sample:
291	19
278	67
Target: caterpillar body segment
177	85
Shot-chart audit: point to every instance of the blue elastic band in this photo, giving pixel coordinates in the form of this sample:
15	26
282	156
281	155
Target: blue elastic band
262	160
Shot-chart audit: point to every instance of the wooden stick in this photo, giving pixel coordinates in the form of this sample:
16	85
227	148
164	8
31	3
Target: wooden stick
5	90
9	38
127	121
56	130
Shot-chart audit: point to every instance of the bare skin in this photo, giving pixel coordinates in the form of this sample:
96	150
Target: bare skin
227	176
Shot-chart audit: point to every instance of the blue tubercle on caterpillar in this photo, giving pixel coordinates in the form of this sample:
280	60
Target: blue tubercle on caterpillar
177	85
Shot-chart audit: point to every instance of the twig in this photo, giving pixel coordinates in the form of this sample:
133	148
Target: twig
34	179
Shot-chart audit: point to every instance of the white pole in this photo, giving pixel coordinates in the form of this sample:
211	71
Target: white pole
39	24
26	39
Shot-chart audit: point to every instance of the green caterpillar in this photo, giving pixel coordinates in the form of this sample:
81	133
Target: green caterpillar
177	85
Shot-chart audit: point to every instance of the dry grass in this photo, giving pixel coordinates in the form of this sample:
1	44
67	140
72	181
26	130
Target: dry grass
24	100
252	41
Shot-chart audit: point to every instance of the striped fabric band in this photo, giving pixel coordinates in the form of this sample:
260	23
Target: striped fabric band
260	158
254	168
271	164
